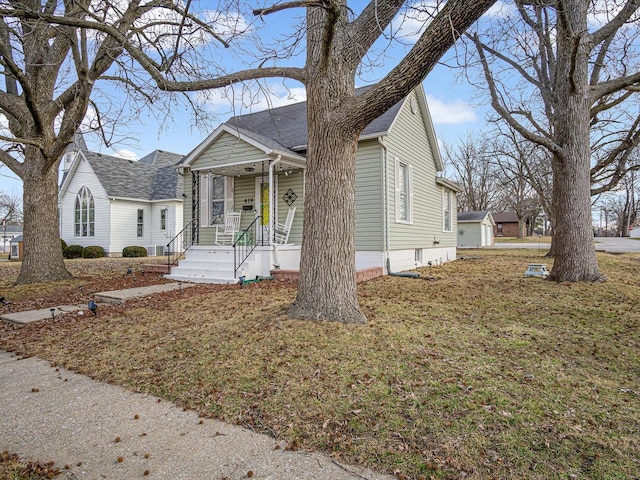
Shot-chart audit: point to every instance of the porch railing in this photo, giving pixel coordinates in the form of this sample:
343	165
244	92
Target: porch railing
181	243
246	243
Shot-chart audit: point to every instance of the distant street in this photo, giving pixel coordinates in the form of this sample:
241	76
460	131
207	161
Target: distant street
602	244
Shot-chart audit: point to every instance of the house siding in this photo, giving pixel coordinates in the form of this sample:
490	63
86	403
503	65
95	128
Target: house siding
226	149
369	201
124	221
85	177
472	236
295	182
408	142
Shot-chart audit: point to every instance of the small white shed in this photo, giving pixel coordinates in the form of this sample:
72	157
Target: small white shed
635	233
475	229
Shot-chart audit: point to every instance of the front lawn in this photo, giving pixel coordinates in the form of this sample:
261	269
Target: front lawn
480	373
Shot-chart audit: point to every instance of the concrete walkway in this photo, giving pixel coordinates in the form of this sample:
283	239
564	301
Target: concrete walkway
115	296
101	431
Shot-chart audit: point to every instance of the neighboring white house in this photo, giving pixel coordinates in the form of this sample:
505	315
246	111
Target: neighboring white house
635	233
113	202
255	165
475	229
8	233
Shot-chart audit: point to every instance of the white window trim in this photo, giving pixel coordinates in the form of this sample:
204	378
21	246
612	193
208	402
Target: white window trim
447	198
409	181
84	192
205	200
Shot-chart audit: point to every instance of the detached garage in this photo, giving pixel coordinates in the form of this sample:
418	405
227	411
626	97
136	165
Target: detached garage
475	229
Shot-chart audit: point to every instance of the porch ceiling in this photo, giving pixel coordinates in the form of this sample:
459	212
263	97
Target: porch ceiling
252	168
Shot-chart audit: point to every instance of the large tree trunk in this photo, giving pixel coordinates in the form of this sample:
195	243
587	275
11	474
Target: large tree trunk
575	256
327	284
43	261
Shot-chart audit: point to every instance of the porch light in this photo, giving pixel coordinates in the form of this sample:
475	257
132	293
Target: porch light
249	169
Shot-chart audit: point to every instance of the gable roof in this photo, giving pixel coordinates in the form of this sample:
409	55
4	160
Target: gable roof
505	217
151	178
472	216
287	125
283	130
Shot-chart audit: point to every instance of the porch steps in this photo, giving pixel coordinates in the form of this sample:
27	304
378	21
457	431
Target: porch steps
207	265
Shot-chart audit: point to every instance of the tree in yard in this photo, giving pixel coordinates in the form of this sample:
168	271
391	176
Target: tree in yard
474	170
572	64
520	166
338	44
10	207
51	60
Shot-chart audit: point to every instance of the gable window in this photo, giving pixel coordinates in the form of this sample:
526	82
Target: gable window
446	211
84	221
404	193
140	222
217	199
163	219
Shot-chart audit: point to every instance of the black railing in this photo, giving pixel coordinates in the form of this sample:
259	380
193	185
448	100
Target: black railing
246	243
181	242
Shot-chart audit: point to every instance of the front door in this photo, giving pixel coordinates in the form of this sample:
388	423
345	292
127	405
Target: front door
265	199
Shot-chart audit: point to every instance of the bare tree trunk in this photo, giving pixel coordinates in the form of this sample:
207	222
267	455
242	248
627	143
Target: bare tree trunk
327	284
42	261
573	242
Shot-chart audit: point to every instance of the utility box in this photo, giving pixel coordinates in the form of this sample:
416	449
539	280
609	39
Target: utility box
536	270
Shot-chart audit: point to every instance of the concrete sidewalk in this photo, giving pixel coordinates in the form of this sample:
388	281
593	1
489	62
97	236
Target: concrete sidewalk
111	297
106	432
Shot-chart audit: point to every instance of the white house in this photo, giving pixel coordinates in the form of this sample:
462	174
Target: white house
113	202
475	229
254	166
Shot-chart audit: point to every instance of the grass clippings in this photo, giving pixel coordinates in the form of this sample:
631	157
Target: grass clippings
480	373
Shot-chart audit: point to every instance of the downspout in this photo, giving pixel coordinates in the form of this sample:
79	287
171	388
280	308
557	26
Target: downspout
385	231
272	210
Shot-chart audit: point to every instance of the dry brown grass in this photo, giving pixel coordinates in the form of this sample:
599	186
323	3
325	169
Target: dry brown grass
13	468
481	373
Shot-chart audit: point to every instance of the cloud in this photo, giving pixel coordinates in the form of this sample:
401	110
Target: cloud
242	99
412	23
450	113
127	154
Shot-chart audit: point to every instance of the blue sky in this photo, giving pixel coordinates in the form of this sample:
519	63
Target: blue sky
450	102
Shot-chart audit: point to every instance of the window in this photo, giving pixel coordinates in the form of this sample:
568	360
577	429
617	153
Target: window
217	199
84	222
140	222
446	211
163	219
404	193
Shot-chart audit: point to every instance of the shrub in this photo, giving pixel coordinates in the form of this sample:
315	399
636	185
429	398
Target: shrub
134	251
73	251
63	244
93	251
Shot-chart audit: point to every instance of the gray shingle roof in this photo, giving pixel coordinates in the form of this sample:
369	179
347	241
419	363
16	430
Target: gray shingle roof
286	127
151	178
472	216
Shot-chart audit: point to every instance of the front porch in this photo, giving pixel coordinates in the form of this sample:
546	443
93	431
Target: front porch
221	264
